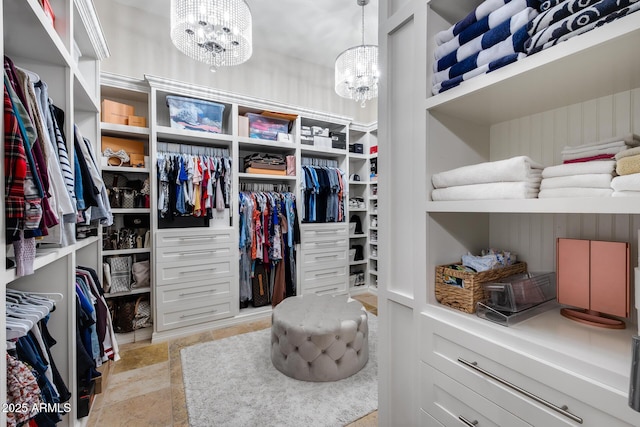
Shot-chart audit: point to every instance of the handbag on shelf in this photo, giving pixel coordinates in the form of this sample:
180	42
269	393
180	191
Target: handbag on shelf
124	313
142	313
265	161
141	274
120	273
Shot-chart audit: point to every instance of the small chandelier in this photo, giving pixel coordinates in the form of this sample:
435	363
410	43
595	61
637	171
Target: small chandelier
357	70
216	32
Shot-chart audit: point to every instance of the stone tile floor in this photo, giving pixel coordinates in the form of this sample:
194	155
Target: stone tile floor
145	387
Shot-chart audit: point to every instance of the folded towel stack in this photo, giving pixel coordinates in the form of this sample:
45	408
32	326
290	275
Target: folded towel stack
628	167
581	179
562	20
514	178
490	37
602	150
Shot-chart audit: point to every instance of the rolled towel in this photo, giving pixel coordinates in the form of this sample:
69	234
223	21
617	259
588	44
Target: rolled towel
600	166
625	194
591	180
490	191
628	165
626	182
517	168
628	153
552	193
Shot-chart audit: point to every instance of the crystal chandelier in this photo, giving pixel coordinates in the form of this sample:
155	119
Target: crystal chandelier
216	32
357	70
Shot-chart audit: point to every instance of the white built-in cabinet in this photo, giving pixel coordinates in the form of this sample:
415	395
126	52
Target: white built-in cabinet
67	56
195	271
445	367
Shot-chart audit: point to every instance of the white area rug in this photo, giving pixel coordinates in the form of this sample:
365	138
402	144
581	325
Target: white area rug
232	382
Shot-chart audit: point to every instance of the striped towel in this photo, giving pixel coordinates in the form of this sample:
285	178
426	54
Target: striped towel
483	10
487	68
513	44
493	20
486	40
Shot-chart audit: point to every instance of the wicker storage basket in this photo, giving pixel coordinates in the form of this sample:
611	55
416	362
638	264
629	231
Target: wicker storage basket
465	298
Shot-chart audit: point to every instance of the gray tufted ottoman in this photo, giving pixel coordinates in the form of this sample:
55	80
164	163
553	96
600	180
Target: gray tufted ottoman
319	338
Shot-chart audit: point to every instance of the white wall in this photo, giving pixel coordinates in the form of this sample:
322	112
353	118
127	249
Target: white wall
139	43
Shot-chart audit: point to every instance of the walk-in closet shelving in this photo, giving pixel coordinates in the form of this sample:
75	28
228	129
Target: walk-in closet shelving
33	42
136	220
569	94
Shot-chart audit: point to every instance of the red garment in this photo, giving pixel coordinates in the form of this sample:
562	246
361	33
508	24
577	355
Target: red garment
15	163
588	159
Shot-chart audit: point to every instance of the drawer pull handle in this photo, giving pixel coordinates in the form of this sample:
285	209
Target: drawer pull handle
198	271
325	243
327	257
467	422
184	316
197	238
560	409
326	291
326	232
330	273
195	253
184	294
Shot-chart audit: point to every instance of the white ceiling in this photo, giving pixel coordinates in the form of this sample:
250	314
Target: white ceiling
313	30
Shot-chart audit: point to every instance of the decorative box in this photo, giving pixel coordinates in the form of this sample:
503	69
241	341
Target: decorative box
116	112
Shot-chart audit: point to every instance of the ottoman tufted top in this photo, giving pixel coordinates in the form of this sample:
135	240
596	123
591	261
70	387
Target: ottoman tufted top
319	337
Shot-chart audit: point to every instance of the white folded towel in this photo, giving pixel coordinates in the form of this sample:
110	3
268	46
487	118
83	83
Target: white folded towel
611	152
514	169
625	194
630	139
488	191
597	166
574	192
626	182
628	153
591	180
579	149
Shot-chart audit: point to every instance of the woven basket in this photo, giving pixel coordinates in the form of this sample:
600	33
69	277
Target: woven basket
465	298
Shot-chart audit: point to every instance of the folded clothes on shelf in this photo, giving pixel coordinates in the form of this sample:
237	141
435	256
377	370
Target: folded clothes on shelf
568	169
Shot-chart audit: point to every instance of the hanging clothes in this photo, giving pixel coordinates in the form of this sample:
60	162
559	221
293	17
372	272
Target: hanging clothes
323	190
193	185
268	234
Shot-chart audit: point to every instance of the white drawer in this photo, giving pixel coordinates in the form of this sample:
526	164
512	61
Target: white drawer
326	286
319	232
200	253
171	316
199	236
325	243
191	270
528	387
324	272
315	257
453	404
427	420
193	291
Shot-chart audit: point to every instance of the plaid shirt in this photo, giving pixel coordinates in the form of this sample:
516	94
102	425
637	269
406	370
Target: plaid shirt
15	162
